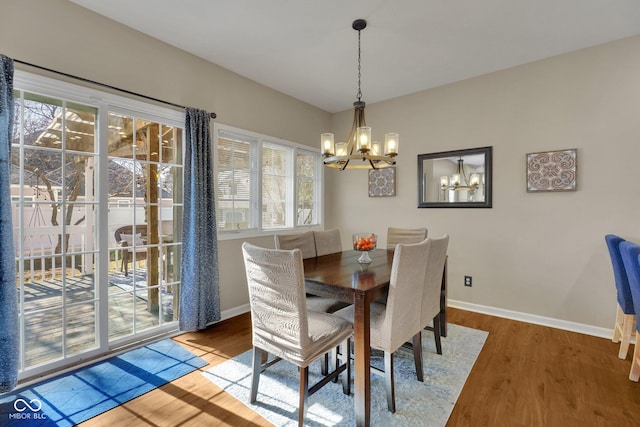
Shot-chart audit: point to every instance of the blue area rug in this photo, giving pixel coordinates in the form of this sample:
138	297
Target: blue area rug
79	395
417	404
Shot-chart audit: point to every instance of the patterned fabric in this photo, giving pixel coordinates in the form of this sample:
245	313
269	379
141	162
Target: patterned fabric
9	338
327	242
280	321
200	294
404	235
306	242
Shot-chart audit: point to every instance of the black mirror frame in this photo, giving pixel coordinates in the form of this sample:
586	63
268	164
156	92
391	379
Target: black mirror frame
488	159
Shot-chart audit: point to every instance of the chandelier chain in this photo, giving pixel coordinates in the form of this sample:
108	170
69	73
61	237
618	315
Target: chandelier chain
359	94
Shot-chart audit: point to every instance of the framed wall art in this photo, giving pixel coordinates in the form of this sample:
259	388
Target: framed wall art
552	171
382	182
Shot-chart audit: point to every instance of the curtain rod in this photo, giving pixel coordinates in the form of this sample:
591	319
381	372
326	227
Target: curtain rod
213	115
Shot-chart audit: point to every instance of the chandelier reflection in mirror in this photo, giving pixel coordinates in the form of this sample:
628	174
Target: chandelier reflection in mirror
460	188
359	151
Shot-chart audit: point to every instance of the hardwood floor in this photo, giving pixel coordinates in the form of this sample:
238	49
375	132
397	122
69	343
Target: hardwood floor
526	375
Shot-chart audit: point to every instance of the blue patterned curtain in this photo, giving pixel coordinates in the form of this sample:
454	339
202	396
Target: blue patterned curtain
9	339
200	295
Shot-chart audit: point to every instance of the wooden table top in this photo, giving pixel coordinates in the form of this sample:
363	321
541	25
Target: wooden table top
340	275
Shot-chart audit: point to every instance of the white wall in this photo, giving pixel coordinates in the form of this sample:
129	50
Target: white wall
537	253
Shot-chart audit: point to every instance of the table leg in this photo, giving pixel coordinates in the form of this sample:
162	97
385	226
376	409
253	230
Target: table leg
362	359
443	301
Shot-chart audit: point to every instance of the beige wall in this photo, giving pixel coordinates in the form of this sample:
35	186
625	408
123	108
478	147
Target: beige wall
61	36
543	253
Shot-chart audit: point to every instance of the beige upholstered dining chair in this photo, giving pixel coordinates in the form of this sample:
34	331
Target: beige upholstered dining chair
306	243
399	320
303	241
397	235
327	242
282	325
431	293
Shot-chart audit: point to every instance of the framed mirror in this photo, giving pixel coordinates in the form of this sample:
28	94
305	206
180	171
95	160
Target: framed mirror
455	179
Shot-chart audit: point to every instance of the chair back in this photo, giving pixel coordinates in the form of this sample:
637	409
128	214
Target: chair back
433	279
277	298
303	241
130	230
397	235
620	275
630	252
327	242
404	303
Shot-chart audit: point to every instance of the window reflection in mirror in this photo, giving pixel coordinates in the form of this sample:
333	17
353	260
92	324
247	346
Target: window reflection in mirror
460	178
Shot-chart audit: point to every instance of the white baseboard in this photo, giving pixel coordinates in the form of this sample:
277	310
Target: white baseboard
532	318
498	312
236	311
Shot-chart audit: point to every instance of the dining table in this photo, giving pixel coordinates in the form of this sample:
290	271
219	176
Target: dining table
341	277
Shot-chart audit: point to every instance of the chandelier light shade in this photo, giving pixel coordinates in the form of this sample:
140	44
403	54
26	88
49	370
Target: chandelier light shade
359	151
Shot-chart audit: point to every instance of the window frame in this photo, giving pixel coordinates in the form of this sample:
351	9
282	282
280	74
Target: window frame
257	141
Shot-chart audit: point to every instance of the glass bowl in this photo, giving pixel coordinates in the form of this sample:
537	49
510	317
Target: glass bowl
364	242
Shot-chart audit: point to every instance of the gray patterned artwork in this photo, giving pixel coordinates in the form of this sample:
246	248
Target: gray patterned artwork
552	171
382	182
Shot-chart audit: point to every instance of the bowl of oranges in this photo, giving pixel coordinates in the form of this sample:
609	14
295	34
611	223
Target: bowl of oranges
364	242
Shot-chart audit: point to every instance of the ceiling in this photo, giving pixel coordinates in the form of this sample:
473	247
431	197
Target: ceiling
308	50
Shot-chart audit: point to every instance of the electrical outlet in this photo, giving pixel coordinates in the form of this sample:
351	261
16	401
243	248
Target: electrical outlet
467	281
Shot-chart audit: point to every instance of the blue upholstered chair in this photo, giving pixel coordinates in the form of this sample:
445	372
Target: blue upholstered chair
630	257
626	315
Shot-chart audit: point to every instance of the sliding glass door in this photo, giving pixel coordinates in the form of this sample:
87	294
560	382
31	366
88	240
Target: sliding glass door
96	193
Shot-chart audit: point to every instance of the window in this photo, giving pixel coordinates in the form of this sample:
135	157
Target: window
307	169
265	184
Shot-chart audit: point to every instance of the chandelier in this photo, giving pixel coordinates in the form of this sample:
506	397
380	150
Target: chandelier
359	151
459	182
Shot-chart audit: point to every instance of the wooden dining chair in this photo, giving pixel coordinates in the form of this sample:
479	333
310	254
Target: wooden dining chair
397	235
282	325
631	258
399	320
625	313
131	239
327	242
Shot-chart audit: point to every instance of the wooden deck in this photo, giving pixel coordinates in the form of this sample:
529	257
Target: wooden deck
46	314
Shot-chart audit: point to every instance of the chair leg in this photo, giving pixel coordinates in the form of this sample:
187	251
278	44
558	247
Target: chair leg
617	328
389	380
634	374
417	355
324	368
436	333
346	375
628	325
304	394
255	375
